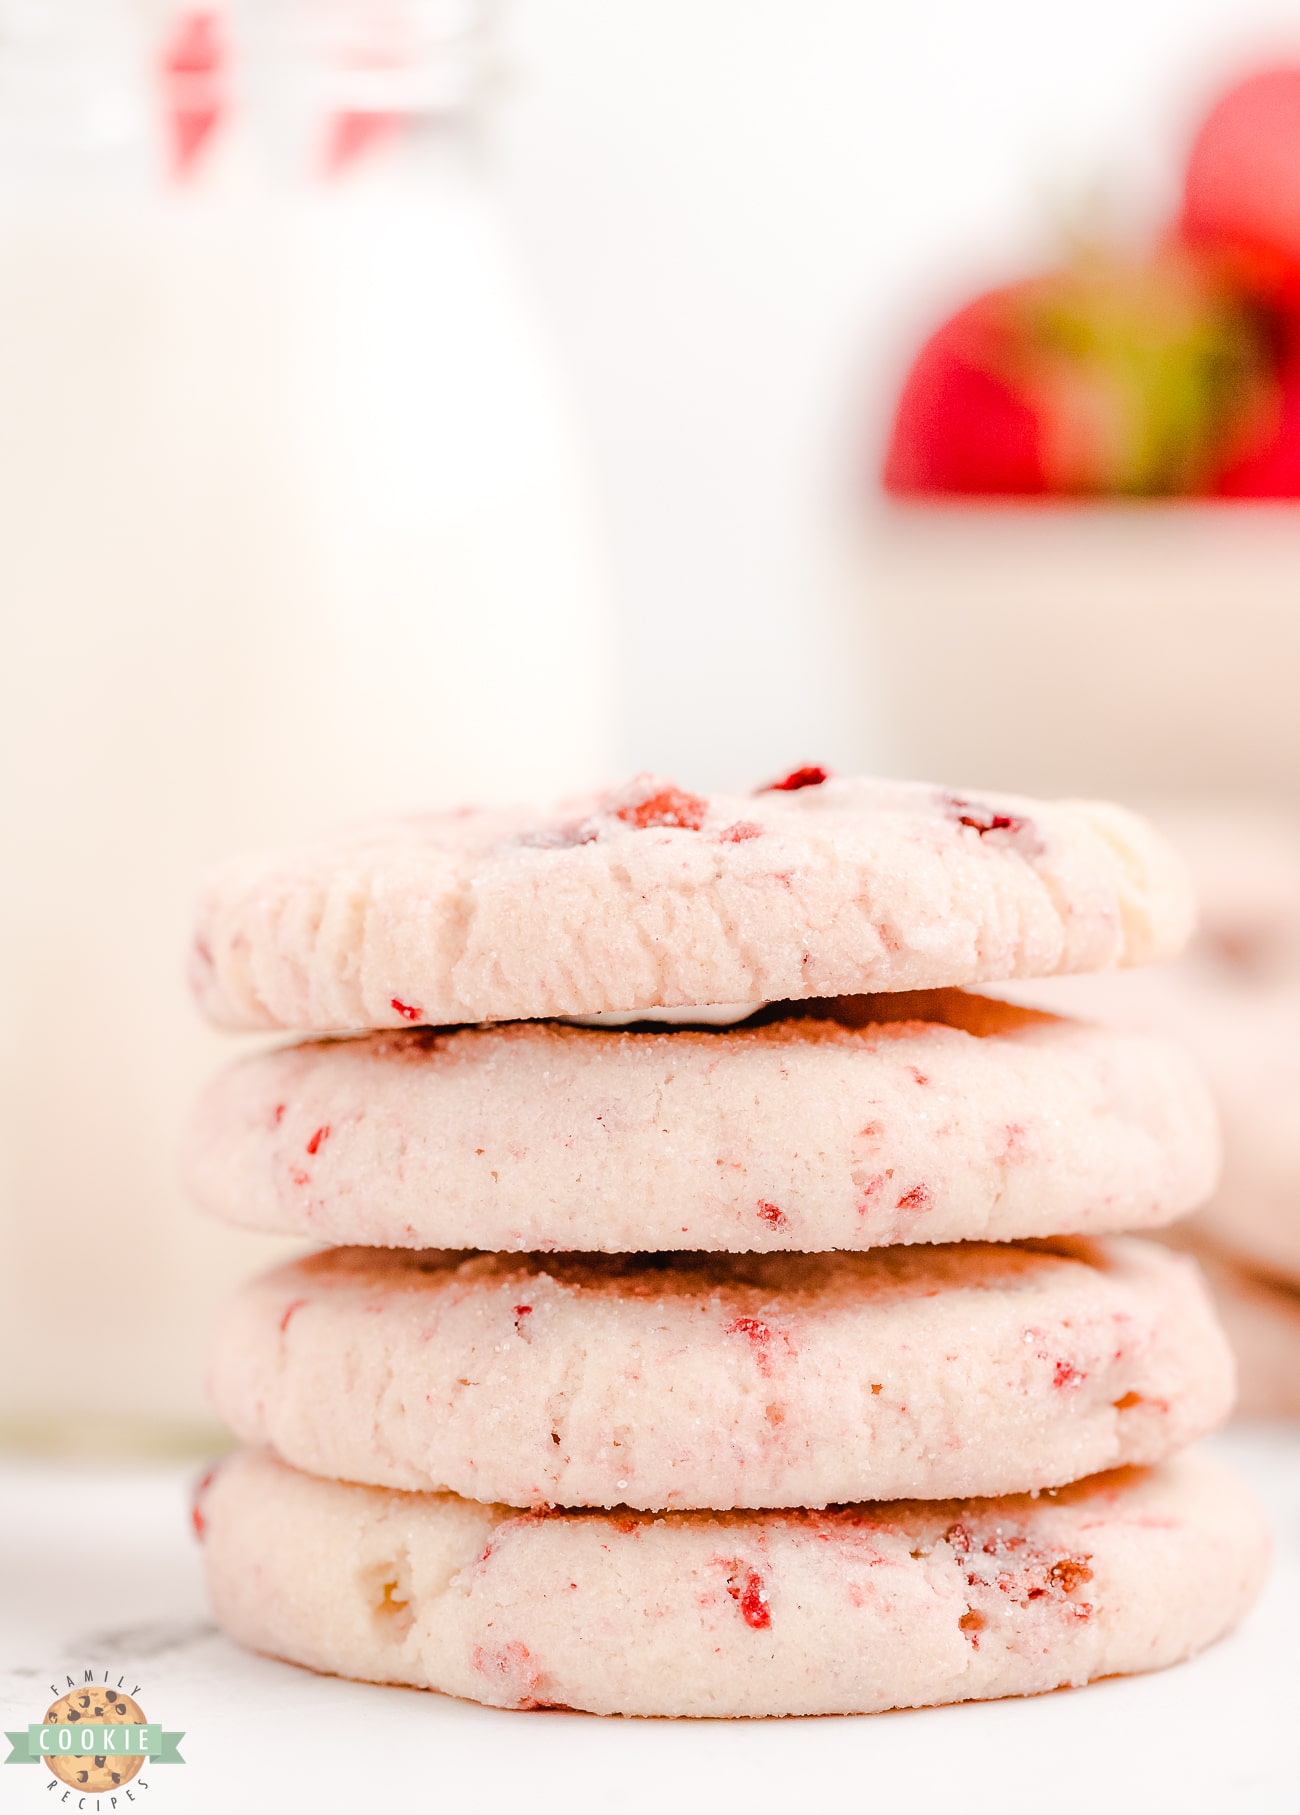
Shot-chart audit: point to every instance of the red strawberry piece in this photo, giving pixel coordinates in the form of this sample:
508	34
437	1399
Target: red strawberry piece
812	775
668	807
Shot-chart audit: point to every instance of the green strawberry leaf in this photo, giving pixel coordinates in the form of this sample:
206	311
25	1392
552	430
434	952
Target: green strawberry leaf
1147	377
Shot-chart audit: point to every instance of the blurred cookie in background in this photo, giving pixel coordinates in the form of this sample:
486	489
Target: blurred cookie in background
1262	1322
1245	859
1234	1002
1249	1047
1263	1325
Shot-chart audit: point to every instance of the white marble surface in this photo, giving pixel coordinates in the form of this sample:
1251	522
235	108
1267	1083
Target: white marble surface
98	1569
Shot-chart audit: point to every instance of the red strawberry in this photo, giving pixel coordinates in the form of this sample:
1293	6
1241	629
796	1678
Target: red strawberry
1242	192
1104	378
960	425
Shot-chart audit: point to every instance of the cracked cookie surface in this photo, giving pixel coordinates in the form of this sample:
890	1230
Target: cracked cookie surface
649	897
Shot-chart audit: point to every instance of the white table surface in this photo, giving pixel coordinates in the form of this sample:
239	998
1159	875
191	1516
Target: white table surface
98	1569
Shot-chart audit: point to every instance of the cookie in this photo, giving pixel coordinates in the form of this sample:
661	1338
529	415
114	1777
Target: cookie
651	897
1249	1047
855	1610
874	1120
1244	860
1261	1320
96	1704
725	1381
1245	1037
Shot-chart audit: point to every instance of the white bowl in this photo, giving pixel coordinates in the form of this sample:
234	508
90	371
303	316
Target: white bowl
1109	648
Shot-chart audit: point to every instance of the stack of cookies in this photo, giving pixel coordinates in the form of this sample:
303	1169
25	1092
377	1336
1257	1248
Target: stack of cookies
718	1311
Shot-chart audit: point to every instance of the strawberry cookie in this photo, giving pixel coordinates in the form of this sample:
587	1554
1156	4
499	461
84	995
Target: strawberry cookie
650	898
697	1381
850	1610
1261	1320
848	1124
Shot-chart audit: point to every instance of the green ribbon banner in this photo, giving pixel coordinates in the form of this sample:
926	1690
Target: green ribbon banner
96	1738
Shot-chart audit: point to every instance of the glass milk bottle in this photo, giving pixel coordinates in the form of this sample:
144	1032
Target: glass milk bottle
292	528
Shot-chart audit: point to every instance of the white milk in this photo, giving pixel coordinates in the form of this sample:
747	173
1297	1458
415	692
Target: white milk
291	529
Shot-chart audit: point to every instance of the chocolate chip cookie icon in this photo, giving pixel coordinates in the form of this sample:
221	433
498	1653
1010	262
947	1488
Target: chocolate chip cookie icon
96	1705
